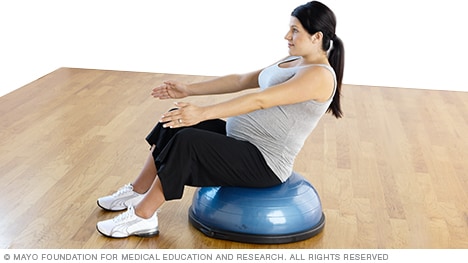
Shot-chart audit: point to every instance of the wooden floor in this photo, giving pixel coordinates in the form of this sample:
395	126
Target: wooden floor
393	173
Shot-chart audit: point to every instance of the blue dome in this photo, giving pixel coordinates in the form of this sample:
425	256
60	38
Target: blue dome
285	213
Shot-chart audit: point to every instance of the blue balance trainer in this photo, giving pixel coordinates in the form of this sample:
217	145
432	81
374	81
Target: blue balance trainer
285	213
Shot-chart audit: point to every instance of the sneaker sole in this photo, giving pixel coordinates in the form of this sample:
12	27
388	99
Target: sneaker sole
138	234
110	210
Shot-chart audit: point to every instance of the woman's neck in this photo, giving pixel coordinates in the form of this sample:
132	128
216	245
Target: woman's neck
314	59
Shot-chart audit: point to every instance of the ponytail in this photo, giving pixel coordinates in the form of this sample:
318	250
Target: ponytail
336	59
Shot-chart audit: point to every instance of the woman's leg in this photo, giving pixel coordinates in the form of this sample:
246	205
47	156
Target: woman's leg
193	157
147	175
148	182
152	201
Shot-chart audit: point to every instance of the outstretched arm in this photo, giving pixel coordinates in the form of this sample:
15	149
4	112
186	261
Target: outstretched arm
227	84
313	83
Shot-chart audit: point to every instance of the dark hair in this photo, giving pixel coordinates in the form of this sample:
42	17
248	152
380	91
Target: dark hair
317	17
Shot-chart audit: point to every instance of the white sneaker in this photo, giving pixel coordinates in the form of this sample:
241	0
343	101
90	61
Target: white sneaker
129	224
120	200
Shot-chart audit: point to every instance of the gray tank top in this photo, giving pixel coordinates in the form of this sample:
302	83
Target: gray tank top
279	132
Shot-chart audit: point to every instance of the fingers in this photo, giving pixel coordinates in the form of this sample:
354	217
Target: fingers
174	118
168	90
173	123
160	92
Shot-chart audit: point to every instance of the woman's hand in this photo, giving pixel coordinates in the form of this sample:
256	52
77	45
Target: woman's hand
185	114
170	90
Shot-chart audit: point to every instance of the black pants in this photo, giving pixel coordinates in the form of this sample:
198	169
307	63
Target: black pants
202	155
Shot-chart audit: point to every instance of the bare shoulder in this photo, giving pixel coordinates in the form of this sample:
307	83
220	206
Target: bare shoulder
319	70
319	80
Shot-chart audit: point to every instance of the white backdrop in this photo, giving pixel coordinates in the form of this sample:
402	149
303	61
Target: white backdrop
398	43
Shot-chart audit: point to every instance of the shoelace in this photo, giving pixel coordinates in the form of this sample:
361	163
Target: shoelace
129	214
122	190
124	216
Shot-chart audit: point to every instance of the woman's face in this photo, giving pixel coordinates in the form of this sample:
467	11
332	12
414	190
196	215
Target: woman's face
300	42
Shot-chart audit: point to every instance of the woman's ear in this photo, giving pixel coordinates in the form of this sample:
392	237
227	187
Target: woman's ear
318	36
